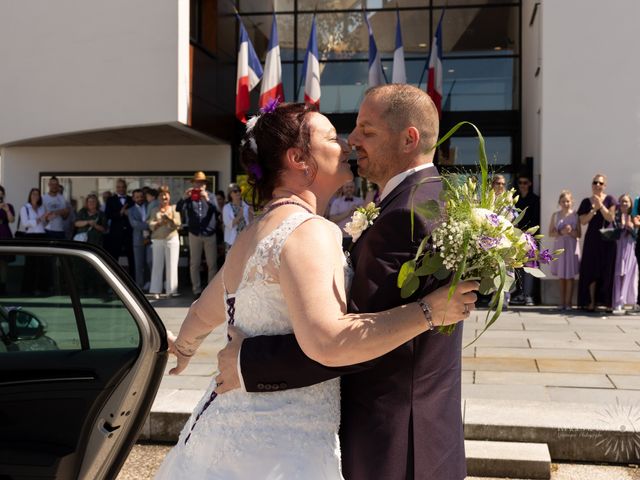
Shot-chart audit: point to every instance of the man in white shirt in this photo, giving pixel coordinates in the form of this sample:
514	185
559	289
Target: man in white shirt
343	207
57	210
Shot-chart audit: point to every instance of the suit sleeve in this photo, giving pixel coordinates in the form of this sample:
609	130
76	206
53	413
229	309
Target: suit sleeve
266	361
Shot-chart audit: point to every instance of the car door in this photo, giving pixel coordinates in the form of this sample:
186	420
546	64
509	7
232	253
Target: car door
82	354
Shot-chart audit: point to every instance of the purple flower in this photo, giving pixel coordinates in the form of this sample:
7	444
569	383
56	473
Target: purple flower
255	170
487	243
493	219
545	256
271	105
511	213
533	246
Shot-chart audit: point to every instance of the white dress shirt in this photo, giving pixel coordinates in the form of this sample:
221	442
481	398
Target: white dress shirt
399	178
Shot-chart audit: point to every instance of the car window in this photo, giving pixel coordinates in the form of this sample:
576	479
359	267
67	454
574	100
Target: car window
60	302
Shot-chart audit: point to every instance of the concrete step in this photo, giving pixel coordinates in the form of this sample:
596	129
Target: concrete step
508	459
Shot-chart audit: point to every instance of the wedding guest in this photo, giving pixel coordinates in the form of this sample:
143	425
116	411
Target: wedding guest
595	286
57	210
164	221
105	196
636	219
498	183
31	225
152	198
32	216
342	208
7	216
220	200
565	228
120	239
91	220
625	280
373	193
236	215
531	202
198	210
140	238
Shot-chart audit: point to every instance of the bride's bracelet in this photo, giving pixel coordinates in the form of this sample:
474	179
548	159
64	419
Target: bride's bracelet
426	310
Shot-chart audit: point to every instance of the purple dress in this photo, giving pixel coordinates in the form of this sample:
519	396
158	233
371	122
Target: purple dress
598	258
625	282
568	264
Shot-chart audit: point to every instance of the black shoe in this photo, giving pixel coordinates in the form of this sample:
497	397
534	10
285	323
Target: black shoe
529	302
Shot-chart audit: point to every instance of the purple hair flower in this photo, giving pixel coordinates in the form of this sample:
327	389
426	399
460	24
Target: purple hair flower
487	243
255	170
493	219
545	256
271	105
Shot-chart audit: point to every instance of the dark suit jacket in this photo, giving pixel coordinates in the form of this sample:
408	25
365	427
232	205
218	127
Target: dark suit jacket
401	414
119	228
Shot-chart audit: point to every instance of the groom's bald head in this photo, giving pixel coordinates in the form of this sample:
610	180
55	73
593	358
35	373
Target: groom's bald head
407	106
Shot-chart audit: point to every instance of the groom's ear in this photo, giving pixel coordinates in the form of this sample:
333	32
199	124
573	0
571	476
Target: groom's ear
410	139
294	159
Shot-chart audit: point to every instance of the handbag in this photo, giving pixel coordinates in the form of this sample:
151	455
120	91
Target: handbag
610	234
81	237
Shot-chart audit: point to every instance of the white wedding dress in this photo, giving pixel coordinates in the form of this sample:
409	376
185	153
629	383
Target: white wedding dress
280	435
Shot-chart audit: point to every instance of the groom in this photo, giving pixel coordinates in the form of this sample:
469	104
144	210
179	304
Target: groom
401	412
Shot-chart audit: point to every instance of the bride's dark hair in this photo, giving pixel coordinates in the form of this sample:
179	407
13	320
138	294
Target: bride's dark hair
263	147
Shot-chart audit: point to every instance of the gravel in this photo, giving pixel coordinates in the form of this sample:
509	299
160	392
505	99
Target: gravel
145	459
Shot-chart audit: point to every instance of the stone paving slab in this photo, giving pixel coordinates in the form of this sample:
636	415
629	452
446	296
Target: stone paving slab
621	344
631	382
616	355
603	396
537	353
508	459
505	392
500	364
588	366
547	379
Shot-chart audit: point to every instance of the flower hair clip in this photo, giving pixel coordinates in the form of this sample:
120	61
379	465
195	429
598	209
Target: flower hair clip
255	170
271	105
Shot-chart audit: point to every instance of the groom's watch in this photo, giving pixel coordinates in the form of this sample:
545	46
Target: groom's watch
426	309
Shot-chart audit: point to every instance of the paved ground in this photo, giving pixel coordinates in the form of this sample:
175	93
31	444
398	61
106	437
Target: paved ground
145	460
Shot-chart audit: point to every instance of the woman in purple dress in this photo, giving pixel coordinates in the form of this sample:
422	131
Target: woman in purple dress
598	255
625	282
565	228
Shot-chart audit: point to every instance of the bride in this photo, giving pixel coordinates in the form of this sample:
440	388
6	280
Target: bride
286	273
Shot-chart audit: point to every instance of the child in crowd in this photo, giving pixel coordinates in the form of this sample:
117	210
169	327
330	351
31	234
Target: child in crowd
565	228
625	282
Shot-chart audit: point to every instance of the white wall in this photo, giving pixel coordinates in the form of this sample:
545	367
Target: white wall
21	166
75	65
590	108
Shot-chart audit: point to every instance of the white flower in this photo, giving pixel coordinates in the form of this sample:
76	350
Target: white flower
252	122
361	219
358	224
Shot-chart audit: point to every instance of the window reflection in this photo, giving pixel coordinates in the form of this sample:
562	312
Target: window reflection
464	151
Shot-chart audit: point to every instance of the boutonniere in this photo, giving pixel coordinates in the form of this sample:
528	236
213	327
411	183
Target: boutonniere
361	219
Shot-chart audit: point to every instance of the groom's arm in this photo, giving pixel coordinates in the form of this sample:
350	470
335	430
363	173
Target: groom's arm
277	362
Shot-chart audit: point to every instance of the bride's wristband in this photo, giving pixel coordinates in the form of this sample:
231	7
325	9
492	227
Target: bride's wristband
426	310
182	353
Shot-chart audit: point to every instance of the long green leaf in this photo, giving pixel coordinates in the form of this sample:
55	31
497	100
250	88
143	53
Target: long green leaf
410	286
406	271
413	192
429	209
460	270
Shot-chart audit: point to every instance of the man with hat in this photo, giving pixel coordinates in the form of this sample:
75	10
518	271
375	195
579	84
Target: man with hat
199	212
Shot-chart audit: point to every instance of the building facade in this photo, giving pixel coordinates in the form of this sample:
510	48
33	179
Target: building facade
93	91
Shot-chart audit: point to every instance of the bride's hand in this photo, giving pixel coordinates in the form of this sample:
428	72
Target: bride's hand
228	378
458	308
183	360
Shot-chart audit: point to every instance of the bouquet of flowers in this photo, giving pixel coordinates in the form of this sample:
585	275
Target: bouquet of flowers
475	238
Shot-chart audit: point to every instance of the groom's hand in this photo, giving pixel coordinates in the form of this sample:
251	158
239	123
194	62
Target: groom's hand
447	311
228	379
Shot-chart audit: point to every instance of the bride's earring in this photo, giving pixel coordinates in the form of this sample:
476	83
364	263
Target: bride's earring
306	171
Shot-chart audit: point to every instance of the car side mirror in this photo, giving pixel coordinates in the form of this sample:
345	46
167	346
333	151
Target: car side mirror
24	325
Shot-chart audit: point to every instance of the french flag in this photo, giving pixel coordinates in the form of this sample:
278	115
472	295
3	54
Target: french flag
311	69
399	72
249	73
434	82
376	75
271	88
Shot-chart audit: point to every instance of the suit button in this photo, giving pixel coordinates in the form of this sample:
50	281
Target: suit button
275	386
260	386
283	386
267	386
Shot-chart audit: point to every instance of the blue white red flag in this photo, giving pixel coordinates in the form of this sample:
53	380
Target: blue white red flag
434	82
271	87
311	69
399	71
376	75
249	73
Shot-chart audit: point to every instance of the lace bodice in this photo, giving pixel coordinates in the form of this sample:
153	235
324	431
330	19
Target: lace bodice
238	432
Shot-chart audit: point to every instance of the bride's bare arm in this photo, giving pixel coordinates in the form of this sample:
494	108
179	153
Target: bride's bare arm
205	314
312	280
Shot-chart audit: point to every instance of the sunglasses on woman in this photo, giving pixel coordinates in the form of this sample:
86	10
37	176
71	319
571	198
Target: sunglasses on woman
595	182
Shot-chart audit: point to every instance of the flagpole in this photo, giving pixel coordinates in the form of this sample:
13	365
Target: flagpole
426	65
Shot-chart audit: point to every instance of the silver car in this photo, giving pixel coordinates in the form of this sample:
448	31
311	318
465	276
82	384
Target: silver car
82	354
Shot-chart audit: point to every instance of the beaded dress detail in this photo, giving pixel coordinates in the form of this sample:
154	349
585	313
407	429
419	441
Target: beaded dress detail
275	435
